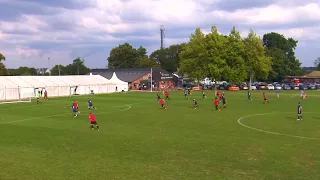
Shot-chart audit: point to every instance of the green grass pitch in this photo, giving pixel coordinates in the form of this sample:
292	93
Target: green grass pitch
138	140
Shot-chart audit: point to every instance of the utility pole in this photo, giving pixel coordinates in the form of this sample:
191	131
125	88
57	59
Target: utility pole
59	68
162	35
48	66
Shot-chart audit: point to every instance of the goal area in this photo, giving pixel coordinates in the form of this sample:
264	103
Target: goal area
24	98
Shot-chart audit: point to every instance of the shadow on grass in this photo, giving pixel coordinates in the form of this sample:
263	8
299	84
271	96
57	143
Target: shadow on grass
290	118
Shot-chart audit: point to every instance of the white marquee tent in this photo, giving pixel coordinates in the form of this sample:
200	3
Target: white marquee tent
121	85
18	87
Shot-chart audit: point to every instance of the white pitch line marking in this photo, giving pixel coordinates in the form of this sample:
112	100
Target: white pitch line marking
270	132
63	114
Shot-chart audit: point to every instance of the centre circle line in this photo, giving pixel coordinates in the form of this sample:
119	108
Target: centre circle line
270	132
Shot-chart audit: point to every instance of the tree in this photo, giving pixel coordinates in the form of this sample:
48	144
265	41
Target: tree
235	70
3	69
192	56
168	58
316	63
215	64
55	70
281	50
257	63
76	68
125	56
2	57
147	63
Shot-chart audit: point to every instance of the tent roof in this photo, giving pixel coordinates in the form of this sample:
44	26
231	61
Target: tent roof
7	83
116	80
126	75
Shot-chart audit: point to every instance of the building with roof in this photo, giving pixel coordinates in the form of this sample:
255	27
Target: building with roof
312	77
140	78
43	70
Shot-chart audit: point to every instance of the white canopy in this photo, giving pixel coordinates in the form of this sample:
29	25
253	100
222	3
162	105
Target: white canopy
121	85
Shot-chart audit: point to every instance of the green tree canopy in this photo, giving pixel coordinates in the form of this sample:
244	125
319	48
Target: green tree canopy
257	63
3	69
55	70
282	52
316	63
22	71
126	56
192	56
76	68
2	57
145	62
235	70
168	58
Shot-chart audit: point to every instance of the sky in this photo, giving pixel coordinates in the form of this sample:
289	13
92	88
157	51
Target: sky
42	33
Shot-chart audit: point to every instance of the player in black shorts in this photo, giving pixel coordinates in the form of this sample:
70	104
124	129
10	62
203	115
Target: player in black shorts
224	101
195	104
299	111
204	95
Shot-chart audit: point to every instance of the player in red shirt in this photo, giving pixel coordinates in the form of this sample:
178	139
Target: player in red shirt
220	96
167	95
93	121
45	95
76	104
265	99
216	103
162	103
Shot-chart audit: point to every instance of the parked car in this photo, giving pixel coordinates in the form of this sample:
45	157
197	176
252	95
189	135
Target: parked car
254	87
312	87
244	87
262	87
303	87
287	87
270	87
295	87
278	86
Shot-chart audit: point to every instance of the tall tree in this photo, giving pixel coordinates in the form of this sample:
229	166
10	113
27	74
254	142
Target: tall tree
282	52
192	56
3	69
77	68
316	63
257	63
125	56
147	63
215	64
55	70
168	58
2	57
235	70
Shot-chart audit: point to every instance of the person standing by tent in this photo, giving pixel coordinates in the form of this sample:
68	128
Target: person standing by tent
116	88
45	95
38	98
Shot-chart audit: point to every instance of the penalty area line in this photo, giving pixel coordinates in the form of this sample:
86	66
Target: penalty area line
129	106
270	132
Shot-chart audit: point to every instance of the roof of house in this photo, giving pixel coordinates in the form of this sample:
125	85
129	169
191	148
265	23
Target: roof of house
127	75
42	69
314	74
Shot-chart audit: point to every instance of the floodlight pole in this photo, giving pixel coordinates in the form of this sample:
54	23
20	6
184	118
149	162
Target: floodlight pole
48	66
151	80
59	68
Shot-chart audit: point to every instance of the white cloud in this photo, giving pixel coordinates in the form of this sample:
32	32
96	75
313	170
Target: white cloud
275	14
116	21
25	52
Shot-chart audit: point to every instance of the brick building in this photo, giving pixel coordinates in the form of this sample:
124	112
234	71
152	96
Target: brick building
313	77
140	78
